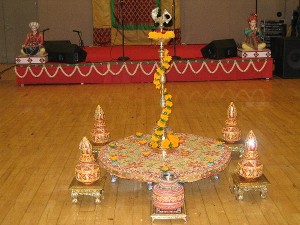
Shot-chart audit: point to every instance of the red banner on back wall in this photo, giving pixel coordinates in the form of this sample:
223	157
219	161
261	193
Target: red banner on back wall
136	14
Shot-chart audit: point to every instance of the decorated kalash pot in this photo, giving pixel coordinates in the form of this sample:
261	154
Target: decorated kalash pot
168	194
100	135
231	133
87	170
250	167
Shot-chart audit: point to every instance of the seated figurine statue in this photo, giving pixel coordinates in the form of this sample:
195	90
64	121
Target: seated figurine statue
253	39
34	42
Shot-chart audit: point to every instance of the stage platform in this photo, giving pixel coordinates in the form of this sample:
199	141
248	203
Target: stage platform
102	66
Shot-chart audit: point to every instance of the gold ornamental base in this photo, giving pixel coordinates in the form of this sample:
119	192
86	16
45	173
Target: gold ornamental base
95	189
238	146
241	185
96	147
158	214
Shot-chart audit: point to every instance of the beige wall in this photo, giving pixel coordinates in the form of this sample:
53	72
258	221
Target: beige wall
64	16
205	20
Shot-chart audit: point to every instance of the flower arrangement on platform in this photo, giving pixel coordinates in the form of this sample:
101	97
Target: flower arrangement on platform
171	141
159	138
138	134
114	158
164	168
162	69
161	35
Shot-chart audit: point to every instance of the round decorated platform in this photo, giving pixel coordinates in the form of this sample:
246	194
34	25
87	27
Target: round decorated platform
196	158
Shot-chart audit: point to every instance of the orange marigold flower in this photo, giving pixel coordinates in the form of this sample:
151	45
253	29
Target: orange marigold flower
154	144
165	143
156	81
159	132
154	138
167	58
157	76
114	158
170	34
164	168
166	65
175	144
142	142
173	138
139	134
152	34
162	124
169	103
164	117
160	71
168	97
167	111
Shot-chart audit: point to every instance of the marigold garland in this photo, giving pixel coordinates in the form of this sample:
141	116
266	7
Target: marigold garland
171	140
161	35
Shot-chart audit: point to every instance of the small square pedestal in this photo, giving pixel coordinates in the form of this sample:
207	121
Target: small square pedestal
264	53
32	59
157	214
240	185
95	190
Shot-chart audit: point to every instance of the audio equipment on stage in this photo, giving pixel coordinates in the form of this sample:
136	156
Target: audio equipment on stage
271	28
286	55
219	49
64	51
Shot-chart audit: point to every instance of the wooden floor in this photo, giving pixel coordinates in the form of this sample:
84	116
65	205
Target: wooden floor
41	127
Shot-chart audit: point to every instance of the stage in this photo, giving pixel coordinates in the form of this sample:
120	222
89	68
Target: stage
102	66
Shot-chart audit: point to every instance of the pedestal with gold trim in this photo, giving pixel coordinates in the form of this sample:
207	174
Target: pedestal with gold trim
238	147
96	148
157	214
95	190
241	185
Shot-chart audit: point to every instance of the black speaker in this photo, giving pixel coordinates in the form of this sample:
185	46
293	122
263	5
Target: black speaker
219	49
286	55
64	51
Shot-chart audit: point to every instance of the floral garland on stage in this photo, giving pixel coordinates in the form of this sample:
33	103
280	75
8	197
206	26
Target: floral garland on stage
171	141
161	35
139	67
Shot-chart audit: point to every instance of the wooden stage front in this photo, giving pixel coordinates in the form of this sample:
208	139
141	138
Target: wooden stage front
102	66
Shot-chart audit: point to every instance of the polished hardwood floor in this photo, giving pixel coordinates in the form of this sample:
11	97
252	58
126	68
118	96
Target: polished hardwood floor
42	125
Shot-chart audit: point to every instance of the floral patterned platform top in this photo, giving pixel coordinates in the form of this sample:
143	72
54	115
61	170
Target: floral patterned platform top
196	158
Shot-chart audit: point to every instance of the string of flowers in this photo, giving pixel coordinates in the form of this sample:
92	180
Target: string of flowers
161	35
171	141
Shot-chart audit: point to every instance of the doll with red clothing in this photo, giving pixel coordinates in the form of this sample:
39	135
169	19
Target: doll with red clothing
253	39
34	42
33	50
253	46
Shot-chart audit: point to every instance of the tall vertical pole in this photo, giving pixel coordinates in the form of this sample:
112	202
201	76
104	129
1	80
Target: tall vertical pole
175	57
123	57
256	6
